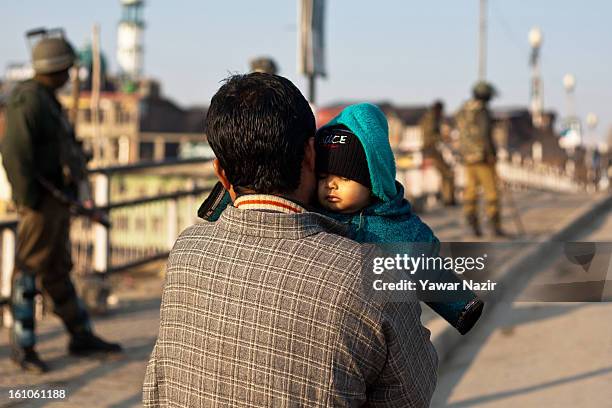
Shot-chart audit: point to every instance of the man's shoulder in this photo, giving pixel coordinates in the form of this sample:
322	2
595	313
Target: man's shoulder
323	240
205	237
26	95
200	229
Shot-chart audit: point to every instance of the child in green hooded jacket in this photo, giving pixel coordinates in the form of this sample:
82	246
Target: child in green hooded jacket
356	186
356	173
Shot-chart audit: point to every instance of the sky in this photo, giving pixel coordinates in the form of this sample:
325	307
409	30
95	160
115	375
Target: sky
406	52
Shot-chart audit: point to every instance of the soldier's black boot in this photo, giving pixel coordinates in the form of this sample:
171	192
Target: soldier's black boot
84	344
27	359
499	232
83	341
497	228
22	338
472	221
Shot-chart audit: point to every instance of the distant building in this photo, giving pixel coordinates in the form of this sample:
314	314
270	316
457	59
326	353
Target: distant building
404	131
86	62
327	113
515	132
142	125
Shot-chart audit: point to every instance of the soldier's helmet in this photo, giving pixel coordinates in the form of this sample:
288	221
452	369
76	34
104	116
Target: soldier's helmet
264	64
483	90
52	54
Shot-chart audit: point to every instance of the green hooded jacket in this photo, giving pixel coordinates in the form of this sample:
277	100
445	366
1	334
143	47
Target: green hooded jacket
390	218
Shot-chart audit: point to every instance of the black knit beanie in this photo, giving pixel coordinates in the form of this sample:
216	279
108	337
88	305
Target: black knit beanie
340	152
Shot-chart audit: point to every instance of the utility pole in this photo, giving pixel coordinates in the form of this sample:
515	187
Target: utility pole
95	94
535	40
311	89
482	42
311	44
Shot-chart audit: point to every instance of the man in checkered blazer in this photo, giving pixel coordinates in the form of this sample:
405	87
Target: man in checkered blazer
267	306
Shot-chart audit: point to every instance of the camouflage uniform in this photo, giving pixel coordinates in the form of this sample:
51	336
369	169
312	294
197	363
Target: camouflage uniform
478	155
38	144
430	127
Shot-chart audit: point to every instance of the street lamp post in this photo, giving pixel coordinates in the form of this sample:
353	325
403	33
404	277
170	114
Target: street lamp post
537	102
569	83
591	121
482	41
572	133
594	154
311	44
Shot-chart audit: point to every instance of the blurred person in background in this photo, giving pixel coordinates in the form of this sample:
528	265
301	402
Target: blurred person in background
478	154
40	156
431	127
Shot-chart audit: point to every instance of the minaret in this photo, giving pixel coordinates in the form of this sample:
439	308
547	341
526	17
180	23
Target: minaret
130	39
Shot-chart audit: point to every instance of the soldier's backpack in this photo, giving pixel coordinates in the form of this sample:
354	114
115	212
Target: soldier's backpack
472	127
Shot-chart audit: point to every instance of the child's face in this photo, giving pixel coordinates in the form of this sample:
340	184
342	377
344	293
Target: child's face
342	195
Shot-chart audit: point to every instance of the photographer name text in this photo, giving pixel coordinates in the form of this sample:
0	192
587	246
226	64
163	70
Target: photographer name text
426	285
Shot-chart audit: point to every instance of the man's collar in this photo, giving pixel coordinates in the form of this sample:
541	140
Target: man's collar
268	202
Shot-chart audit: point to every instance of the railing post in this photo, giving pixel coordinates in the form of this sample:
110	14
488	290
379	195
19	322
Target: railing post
7	267
172	222
101	245
159	149
190	204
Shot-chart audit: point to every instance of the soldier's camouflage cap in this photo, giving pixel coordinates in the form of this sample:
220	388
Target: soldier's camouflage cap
483	90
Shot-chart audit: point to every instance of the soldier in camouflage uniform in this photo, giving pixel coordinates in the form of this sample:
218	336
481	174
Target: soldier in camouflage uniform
478	154
40	153
430	125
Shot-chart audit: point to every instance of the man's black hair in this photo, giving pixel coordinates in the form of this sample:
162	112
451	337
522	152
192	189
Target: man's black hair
258	126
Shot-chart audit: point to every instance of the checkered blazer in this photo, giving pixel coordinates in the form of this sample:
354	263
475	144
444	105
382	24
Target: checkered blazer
262	309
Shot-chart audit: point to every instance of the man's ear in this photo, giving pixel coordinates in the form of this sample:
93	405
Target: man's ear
221	174
310	155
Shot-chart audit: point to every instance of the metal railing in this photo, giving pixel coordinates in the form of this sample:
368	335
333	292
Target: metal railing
422	181
8	233
144	225
537	176
145	217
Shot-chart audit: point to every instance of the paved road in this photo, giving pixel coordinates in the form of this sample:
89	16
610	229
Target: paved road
117	383
92	382
539	354
539	213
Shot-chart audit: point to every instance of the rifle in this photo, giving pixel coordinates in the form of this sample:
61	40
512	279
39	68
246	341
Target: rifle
75	206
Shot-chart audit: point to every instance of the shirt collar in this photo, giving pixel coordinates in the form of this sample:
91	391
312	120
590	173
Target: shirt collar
268	202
